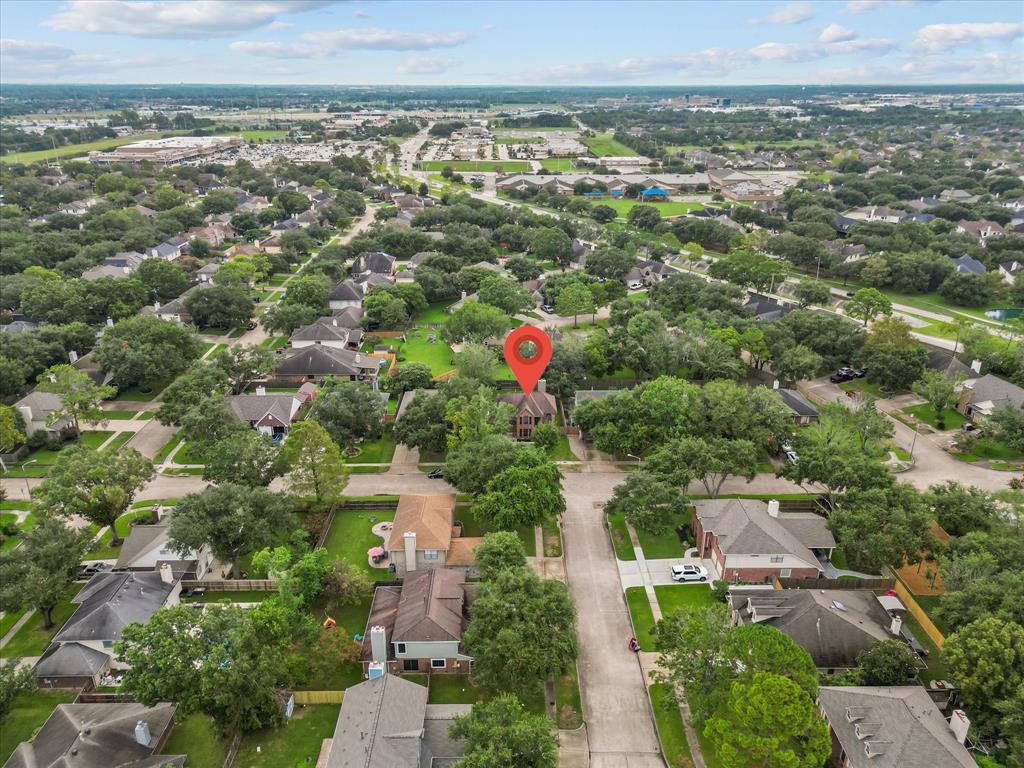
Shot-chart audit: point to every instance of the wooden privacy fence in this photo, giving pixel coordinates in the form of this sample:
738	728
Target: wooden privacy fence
843	583
232	585
918	613
318	697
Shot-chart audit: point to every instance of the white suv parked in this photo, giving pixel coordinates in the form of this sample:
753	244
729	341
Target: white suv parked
689	573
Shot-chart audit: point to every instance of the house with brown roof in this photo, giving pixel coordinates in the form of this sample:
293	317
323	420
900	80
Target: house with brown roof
425	535
538	407
417	627
750	541
982	229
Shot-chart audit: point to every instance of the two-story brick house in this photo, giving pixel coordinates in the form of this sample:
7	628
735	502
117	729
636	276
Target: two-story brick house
536	408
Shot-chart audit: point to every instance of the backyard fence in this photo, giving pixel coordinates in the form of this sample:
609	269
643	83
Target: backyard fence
318	697
843	583
349	506
918	613
232	585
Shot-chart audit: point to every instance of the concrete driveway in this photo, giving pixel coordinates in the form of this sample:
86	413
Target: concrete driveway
659	571
616	708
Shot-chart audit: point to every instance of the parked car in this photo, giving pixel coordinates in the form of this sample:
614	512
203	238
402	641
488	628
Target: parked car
91	570
436	474
860	373
635	285
792	457
193	591
252	325
688	572
843	374
547	309
787	448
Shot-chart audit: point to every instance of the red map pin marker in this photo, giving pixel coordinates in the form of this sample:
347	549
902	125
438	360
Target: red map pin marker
528	370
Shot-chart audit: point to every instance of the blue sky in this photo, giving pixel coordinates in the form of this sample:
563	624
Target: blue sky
523	42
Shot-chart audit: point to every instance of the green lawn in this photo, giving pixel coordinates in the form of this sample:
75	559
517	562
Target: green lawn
454	689
435	313
924	412
603	145
102	550
865	387
936	669
929	603
667	208
568	704
169	446
620	537
196	737
95	438
117	442
9	620
682	597
32	639
552	539
437	355
116	415
499	166
562	165
670	726
293	745
562	451
665	544
28	713
518	140
643	616
241	596
72	150
350	537
136	395
377	451
991	449
708	750
475	526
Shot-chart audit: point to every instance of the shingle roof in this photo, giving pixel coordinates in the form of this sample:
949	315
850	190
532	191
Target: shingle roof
968	265
430	608
744	527
250	408
112	600
349	317
318	360
70	660
536	403
97	736
346	291
989	388
328	329
900	724
429	516
380	725
833	626
797	403
373	261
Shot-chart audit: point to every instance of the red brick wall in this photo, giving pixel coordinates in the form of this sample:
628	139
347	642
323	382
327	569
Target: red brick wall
765	575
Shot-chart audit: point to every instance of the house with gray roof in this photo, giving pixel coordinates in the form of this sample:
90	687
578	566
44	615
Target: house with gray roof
19	326
892	727
317	362
122	735
386	722
349	317
328	331
1010	269
832	625
983	395
175	311
945	361
118	266
374	261
345	294
269	414
43	411
753	542
106	605
803	410
148	547
968	265
418	626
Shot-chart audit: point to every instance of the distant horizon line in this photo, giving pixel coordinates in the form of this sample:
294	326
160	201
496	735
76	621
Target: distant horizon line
904	86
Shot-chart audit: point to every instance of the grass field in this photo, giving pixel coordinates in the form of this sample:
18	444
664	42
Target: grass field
670	727
296	743
683	597
620	537
952	419
668	208
435	313
350	537
196	737
438	356
665	544
519	140
603	145
643	617
32	639
28	712
506	166
72	150
454	689
375	451
118	441
562	165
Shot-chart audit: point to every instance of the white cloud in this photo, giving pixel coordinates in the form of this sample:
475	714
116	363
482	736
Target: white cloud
425	65
797	52
834	33
32	50
374	38
488	27
860	6
938	38
173	19
361	15
273	50
794	13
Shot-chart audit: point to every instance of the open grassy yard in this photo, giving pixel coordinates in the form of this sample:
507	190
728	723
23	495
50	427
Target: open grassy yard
568	704
667	208
670	726
562	451
468	166
988	448
375	451
952	419
603	145
865	387
241	596
475	526
295	744
665	544
454	689
437	355
28	712
118	441
643	617
196	737
350	537
137	395
435	313
518	140
102	550
32	639
683	597
562	165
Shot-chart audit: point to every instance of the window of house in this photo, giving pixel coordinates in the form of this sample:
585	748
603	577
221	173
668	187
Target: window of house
430	554
411	665
437	663
399	647
784	573
108	643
